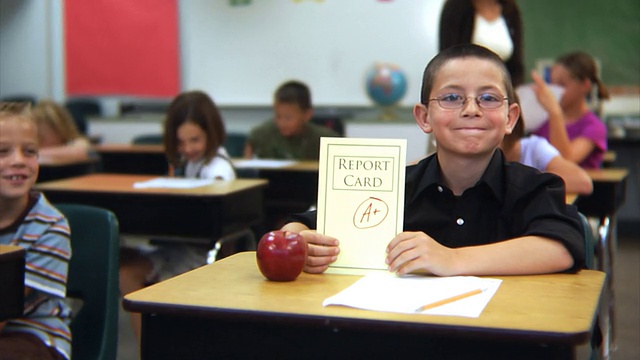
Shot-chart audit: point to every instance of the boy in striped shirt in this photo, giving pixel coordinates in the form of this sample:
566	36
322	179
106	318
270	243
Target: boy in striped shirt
28	220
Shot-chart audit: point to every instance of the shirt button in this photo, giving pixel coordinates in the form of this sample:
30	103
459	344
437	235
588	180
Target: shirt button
440	189
460	221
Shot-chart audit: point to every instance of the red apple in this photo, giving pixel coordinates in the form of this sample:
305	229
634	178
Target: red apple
281	255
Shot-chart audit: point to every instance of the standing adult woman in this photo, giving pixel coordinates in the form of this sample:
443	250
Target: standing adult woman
494	24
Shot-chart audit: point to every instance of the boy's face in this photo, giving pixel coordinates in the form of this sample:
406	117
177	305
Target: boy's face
470	130
18	157
192	141
290	118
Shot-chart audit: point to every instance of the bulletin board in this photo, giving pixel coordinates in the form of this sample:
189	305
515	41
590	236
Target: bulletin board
121	47
240	54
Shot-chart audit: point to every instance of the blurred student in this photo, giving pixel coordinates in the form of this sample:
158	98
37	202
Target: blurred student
572	128
193	138
467	210
494	24
290	135
28	220
57	132
536	152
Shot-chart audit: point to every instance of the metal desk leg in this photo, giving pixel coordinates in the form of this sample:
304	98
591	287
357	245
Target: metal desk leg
606	262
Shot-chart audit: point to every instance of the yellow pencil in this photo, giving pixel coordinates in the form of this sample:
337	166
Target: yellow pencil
448	300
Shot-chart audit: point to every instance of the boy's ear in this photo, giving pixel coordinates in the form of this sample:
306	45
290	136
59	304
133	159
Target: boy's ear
513	115
308	114
421	114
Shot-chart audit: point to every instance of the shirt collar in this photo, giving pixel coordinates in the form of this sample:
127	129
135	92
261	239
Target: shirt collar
492	176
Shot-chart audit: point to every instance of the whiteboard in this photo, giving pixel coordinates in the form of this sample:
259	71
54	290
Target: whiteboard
240	54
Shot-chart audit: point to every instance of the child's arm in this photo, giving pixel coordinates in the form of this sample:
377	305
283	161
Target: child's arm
323	250
575	178
415	251
79	148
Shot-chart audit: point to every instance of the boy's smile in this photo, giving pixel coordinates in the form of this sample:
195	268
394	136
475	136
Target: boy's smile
18	157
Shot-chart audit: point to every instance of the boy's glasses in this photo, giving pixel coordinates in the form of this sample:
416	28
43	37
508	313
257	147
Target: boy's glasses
457	101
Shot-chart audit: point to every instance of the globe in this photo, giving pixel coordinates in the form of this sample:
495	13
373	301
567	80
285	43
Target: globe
386	85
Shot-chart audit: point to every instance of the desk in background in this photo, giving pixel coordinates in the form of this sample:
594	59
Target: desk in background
609	192
133	159
54	168
232	311
12	262
292	188
206	212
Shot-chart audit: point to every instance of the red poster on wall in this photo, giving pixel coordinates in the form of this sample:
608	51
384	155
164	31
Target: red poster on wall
121	47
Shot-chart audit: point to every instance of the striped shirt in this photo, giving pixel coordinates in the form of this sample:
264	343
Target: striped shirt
44	233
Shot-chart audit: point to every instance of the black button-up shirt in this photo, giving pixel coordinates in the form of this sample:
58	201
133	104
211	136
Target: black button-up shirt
510	200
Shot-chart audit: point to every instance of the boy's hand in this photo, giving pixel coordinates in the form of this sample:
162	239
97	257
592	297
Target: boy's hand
323	250
411	252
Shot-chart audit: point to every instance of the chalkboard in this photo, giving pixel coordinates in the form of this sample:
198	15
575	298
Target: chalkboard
608	30
240	54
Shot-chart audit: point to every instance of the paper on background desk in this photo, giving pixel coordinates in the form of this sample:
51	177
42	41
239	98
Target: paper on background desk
172	183
387	292
262	163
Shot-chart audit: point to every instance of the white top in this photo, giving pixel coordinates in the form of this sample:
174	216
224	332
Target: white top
493	35
219	168
537	152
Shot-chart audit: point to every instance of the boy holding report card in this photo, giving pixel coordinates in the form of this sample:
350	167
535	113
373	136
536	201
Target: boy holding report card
467	211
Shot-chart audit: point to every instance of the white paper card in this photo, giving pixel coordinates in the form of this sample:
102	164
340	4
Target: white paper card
387	292
533	113
262	163
172	183
361	197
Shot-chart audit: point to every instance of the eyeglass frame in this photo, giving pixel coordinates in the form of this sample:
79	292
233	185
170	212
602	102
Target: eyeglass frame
476	98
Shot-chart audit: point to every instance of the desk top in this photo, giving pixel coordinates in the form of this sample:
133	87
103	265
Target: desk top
555	307
10	252
58	161
608	174
123	183
129	148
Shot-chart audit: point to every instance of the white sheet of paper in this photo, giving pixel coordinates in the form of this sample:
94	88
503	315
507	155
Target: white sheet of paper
172	183
387	292
533	113
262	163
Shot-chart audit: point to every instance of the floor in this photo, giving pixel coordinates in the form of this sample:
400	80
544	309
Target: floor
627	325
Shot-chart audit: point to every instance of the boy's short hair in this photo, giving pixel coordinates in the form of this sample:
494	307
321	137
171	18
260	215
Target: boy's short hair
58	118
294	92
458	52
20	109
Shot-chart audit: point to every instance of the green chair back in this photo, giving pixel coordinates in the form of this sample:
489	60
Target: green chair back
234	144
93	278
148	139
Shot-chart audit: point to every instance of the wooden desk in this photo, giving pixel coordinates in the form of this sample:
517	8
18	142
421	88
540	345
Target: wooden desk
54	168
609	192
292	188
229	310
206	212
12	262
609	158
133	159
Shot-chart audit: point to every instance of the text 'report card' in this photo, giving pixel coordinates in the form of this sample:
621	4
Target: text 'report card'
361	198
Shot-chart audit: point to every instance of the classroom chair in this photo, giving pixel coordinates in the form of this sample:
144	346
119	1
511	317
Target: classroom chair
148	139
20	98
80	109
93	281
589	251
234	144
334	123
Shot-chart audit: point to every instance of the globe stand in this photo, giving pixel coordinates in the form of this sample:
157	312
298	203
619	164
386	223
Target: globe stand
388	113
